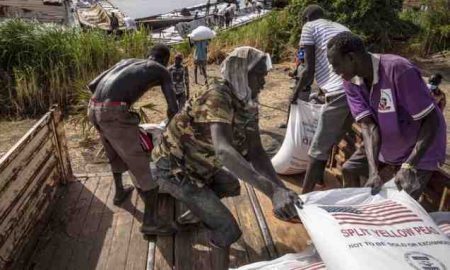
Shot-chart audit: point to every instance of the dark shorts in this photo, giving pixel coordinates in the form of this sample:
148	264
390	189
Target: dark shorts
181	98
200	63
358	165
204	202
119	134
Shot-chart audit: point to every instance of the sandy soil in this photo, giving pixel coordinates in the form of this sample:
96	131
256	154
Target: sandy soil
84	148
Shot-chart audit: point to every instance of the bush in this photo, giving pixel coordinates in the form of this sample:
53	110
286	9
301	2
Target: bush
434	25
45	64
376	21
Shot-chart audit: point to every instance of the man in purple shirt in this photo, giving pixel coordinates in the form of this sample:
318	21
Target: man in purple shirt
400	122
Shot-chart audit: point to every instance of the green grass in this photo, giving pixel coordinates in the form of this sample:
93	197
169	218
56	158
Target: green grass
45	64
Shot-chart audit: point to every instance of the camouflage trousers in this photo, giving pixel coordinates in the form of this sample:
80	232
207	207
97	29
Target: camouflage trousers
204	202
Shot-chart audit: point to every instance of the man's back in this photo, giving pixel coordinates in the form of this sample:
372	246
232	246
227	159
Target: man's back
129	79
318	33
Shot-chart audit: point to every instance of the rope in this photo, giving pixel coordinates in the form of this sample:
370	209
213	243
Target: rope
273	108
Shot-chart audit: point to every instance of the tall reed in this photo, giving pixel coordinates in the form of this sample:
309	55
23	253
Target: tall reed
42	64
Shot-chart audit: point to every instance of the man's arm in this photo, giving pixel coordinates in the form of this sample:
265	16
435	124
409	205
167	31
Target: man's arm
414	96
306	76
258	157
169	94
425	138
371	139
406	177
283	200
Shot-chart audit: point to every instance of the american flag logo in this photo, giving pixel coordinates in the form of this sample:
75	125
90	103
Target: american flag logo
313	266
445	228
385	213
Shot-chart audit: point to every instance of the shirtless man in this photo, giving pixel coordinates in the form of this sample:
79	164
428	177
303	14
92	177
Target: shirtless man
114	91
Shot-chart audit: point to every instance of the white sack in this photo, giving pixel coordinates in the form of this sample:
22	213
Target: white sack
442	219
292	158
202	33
155	129
308	259
352	229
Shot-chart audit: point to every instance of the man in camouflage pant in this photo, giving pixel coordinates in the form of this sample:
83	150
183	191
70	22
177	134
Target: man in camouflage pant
217	129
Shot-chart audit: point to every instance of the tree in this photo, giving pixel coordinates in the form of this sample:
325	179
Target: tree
377	21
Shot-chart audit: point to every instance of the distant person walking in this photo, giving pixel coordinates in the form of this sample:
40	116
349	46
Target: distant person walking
180	79
200	59
216	16
228	16
114	23
208	6
438	95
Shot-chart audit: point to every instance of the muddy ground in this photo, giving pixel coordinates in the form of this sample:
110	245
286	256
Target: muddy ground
84	148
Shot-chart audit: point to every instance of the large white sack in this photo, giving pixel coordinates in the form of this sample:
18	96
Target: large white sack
292	158
442	219
352	229
202	33
308	259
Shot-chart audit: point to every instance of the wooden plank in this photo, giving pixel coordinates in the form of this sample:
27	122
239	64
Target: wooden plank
31	232
35	208
287	237
97	208
61	141
26	203
99	258
201	250
78	211
164	249
18	186
238	250
81	248
76	224
50	245
251	232
9	173
265	231
121	237
138	250
67	210
183	243
23	142
86	244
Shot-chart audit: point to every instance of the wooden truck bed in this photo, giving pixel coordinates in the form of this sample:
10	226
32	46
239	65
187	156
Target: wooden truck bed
88	232
50	219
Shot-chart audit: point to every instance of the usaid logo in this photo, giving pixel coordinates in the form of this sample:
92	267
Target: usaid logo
422	261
